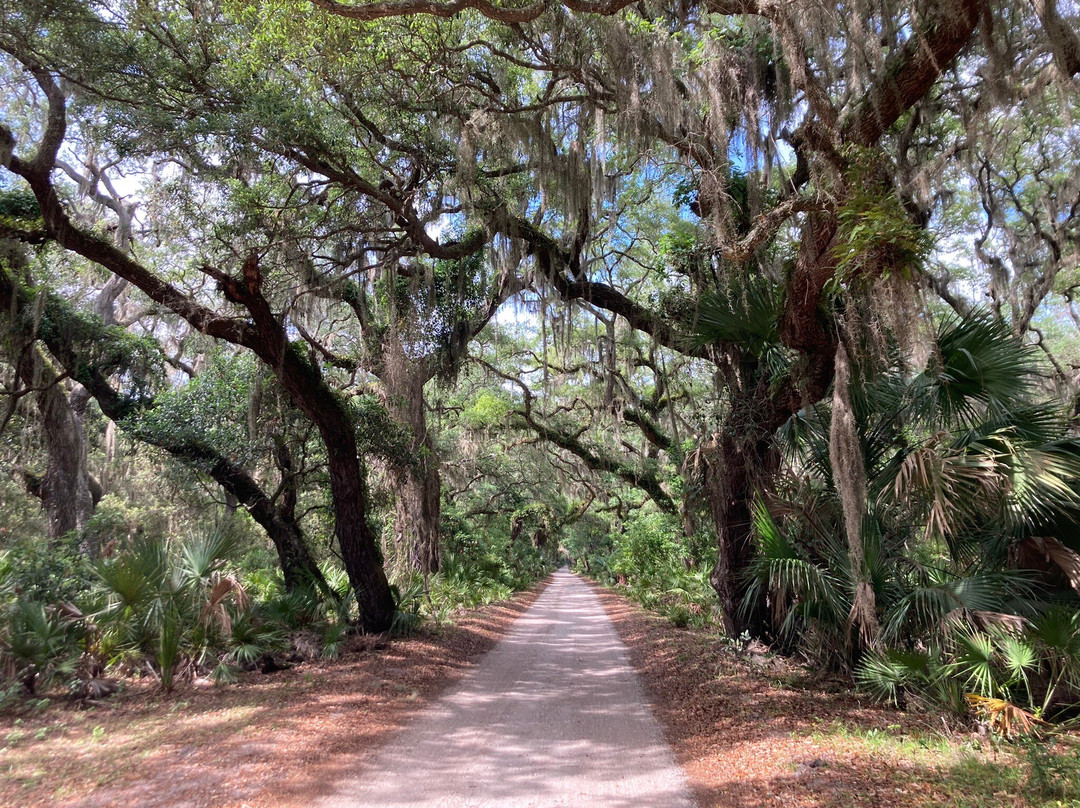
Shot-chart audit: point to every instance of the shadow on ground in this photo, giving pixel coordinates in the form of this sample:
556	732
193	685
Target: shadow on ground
749	737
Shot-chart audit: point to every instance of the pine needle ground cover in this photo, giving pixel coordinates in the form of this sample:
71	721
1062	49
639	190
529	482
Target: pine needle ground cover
270	740
755	731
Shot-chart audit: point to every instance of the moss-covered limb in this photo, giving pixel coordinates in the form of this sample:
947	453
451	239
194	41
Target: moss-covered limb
278	519
19	231
87	349
942	31
556	263
649	428
598	461
20	218
1064	39
313	157
75	340
37	173
593	457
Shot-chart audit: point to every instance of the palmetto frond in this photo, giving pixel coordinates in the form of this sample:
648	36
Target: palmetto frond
885	674
979	368
1003	716
797	585
941	599
950	484
205	551
746	313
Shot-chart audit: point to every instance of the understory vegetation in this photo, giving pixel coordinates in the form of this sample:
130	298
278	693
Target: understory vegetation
205	604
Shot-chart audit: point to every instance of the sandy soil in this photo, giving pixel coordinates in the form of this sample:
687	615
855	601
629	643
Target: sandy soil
553	716
745	734
270	741
754	735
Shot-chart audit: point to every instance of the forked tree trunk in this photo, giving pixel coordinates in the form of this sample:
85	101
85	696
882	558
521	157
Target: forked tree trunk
348	487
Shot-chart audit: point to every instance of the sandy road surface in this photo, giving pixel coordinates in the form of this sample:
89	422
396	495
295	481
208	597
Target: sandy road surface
553	716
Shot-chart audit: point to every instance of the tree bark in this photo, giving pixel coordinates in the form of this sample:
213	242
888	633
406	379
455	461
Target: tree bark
736	461
66	488
849	478
416	517
416	483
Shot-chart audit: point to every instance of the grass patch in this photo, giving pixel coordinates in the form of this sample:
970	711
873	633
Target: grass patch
973	772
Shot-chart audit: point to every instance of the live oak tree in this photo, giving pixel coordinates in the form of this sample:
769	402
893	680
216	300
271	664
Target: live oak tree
831	108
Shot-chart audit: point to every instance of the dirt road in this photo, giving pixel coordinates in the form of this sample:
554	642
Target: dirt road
553	716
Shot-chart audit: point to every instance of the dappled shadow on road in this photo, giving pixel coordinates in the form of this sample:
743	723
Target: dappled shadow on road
553	716
276	740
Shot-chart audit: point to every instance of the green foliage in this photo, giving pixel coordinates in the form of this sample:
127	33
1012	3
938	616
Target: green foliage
647	547
99	348
42	643
489	409
652	558
19	213
885	675
876	235
19	204
176	608
210	409
802	585
962	469
744	313
680	248
1051	774
114	522
379	434
478	566
979	368
47	572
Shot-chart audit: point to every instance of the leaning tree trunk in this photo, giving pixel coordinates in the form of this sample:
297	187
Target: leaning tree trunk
278	519
348	487
416	483
262	332
849	478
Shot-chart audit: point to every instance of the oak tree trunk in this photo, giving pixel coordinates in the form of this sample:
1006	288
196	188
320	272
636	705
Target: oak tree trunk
416	483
